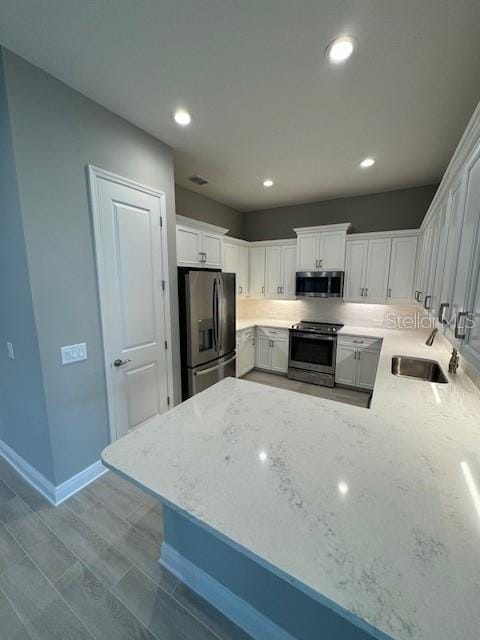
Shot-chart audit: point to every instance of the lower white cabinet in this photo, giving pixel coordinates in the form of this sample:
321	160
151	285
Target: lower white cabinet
245	351
272	349
357	361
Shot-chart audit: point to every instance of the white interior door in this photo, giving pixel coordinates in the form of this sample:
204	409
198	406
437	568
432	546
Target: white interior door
128	237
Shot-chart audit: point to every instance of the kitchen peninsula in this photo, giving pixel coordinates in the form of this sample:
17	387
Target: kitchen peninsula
302	518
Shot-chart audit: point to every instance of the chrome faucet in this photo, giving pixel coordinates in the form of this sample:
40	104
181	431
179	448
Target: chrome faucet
431	338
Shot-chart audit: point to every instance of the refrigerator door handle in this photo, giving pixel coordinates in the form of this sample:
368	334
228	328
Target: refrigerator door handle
220	304
217	366
215	314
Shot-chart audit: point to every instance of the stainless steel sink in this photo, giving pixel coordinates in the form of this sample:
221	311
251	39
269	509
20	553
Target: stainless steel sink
419	368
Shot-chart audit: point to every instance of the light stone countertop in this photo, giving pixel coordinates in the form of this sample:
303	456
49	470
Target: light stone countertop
377	510
249	323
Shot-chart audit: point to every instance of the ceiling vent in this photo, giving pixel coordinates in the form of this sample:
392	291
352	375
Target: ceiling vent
198	180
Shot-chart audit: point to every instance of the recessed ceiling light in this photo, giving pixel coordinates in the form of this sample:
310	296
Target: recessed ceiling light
368	162
268	183
341	49
182	117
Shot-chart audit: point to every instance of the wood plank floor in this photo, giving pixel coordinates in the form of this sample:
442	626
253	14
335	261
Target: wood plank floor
339	394
89	569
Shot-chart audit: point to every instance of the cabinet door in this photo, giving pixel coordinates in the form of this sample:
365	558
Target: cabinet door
378	262
257	271
273	272
464	269
289	260
188	246
230	258
425	264
212	246
346	364
431	267
249	351
355	270
332	250
307	251
280	355
455	222
242	272
367	363
238	362
440	263
263	352
402	269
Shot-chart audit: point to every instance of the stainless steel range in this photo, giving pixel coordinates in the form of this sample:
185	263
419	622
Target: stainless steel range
312	352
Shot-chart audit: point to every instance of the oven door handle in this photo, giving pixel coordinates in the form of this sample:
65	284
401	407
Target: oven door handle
313	336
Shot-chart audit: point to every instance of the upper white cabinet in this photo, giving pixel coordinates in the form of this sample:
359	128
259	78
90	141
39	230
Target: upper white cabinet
380	267
199	244
280	271
236	260
321	248
257	271
272	269
402	269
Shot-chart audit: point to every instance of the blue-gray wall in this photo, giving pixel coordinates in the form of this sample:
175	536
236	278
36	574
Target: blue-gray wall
400	209
56	133
199	207
23	416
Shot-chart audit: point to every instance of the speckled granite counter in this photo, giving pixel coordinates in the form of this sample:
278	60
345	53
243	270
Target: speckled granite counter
377	510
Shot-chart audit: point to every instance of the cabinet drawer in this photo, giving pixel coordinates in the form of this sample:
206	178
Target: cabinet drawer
281	334
245	334
360	342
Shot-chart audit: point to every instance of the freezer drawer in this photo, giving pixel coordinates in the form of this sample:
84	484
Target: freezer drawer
205	375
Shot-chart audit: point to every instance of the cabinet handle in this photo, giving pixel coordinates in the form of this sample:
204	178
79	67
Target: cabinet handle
205	257
358	354
458	335
441	312
420	293
416	295
358	341
427	301
366	291
362	291
389	293
240	289
281	289
263	289
320	260
316	264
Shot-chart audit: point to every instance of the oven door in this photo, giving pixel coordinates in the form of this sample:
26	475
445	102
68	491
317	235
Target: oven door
312	351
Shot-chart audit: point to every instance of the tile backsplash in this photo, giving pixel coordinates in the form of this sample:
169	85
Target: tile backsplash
325	310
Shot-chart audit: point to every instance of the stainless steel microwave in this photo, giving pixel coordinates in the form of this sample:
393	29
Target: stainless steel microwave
319	284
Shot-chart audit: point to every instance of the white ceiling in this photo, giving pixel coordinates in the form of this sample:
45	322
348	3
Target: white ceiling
264	99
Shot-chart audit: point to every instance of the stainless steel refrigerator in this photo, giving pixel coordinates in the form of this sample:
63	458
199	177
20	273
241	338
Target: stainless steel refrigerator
207	328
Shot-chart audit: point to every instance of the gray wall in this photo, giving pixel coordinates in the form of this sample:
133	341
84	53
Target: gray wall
199	207
56	133
402	209
23	416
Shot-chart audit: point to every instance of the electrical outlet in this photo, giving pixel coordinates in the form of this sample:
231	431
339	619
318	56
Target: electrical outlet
10	351
74	353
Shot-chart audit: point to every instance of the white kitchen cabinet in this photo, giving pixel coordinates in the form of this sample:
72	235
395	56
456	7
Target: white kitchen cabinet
366	270
357	361
402	269
189	244
236	261
257	271
272	349
199	244
464	273
380	267
321	248
245	351
280	271
455	212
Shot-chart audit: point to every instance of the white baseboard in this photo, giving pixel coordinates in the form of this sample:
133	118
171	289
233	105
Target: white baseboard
232	606
56	494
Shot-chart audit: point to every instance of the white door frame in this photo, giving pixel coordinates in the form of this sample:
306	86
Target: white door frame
94	174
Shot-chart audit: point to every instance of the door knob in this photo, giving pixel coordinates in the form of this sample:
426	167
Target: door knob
120	363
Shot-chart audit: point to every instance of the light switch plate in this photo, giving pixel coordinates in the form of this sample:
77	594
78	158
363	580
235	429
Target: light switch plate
74	353
10	351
